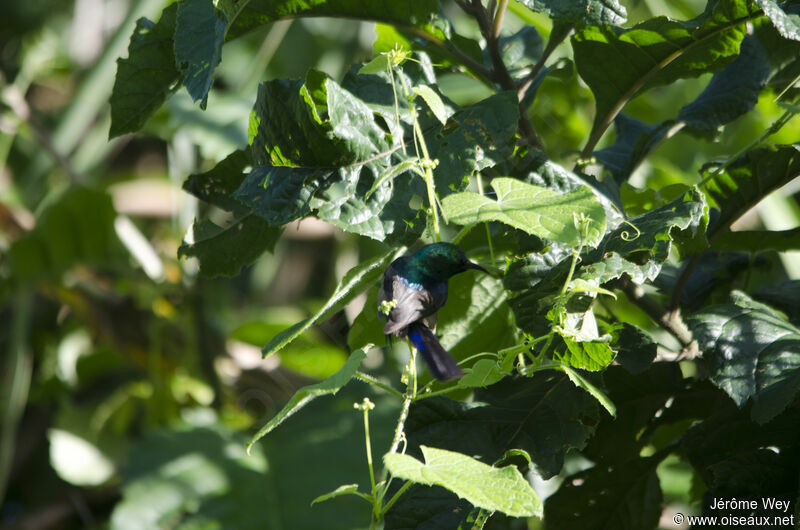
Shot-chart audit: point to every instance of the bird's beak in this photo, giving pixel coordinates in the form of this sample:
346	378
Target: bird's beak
475	266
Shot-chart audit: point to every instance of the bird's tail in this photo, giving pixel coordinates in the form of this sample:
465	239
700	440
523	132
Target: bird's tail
440	363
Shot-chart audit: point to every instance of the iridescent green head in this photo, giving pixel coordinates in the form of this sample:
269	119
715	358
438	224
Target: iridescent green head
440	261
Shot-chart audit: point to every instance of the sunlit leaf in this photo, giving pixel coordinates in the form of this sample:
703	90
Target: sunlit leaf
498	489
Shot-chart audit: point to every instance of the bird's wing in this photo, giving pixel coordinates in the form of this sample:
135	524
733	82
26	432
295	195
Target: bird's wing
413	304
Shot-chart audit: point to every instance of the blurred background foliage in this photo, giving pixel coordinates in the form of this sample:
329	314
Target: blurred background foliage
125	376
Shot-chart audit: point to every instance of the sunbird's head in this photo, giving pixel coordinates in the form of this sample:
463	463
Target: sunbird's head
440	261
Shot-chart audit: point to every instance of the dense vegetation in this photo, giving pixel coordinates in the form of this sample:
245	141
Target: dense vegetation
628	177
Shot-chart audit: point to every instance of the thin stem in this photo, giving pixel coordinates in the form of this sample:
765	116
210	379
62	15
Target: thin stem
429	184
427	395
394	498
598	131
396	105
383	386
557	36
498	18
520	348
667	320
408	397
486	224
776	126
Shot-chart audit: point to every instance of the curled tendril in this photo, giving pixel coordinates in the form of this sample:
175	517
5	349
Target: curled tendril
626	236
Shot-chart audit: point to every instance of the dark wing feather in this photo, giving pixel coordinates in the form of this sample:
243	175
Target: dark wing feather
411	304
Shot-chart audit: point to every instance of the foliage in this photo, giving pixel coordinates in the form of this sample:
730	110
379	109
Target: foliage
636	319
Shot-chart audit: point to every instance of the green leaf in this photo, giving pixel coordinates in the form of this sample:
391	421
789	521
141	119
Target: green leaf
585	384
326	148
737	457
535	210
279	195
591	356
475	138
345	489
788	25
640	400
475	318
754	353
641	251
147	76
497	489
302	397
634	140
656	52
216	185
519	51
353	283
260	12
748	180
594	12
482	374
433	101
545	415
199	35
732	91
224	250
77	227
636	349
625	497
756	241
379	64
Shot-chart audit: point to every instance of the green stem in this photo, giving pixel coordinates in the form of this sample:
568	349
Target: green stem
383	386
16	384
486	224
418	136
369	453
394	498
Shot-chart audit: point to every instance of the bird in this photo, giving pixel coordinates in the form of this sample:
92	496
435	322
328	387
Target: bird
414	288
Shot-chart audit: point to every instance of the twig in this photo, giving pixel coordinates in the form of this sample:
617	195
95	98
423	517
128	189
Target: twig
556	37
669	320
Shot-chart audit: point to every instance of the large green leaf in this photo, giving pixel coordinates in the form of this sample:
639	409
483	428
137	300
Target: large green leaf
333	148
639	252
754	353
224	250
732	91
76	228
625	496
474	138
303	396
356	281
738	458
497	489
545	416
756	241
535	210
199	34
147	76
639	400
633	141
277	194
752	177
641	247
475	318
594	12
216	185
618	63
246	16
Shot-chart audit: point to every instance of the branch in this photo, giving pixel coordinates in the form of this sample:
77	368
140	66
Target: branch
670	321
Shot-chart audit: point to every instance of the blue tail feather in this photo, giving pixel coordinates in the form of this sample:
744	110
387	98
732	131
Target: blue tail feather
440	363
